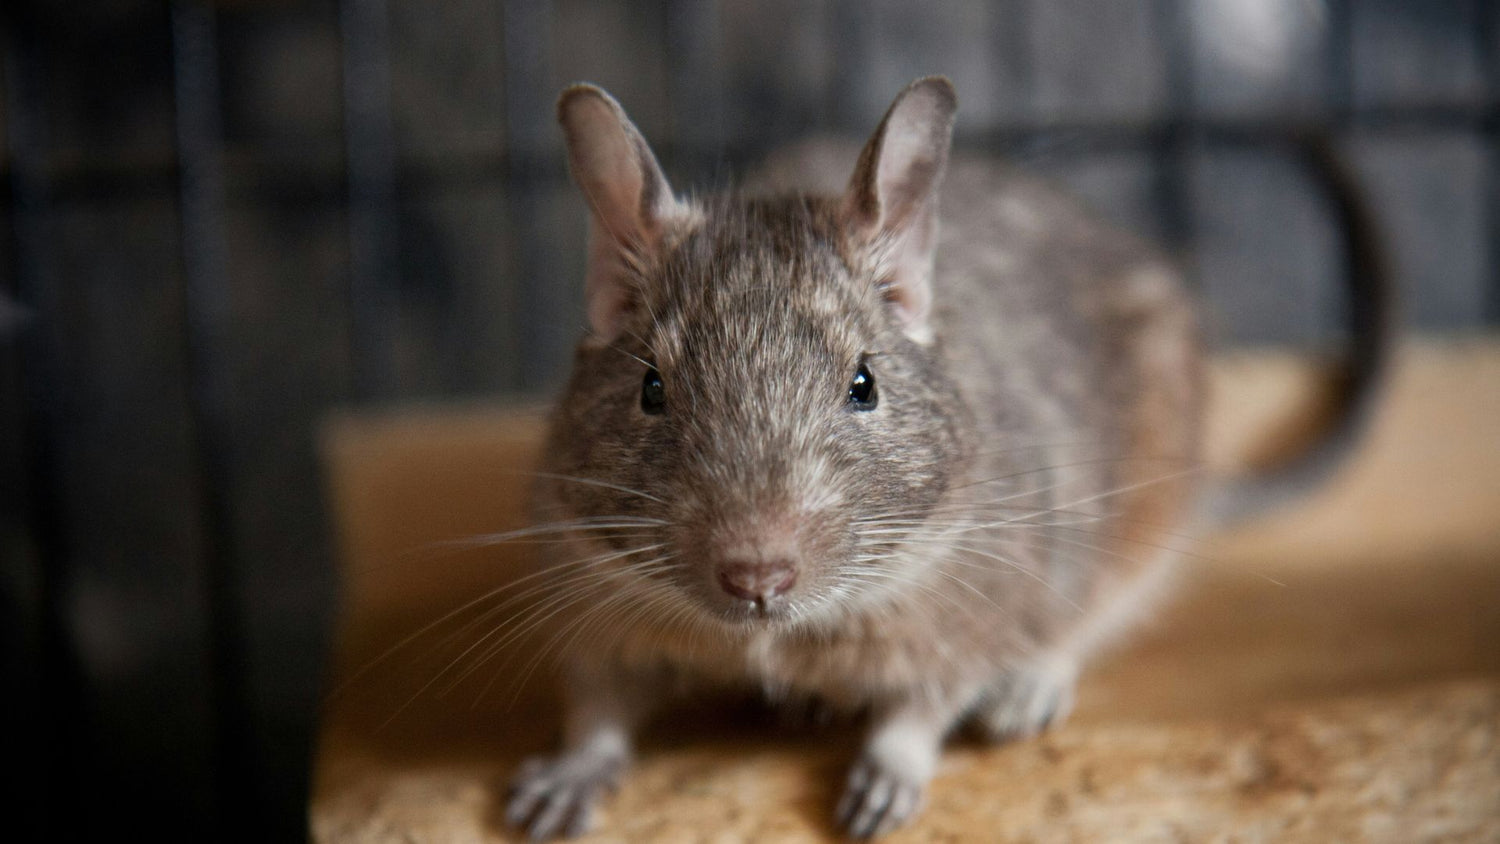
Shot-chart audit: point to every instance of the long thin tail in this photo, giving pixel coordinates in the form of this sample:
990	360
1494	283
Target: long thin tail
1358	385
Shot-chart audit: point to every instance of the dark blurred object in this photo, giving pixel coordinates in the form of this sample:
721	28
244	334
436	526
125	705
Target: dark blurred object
224	218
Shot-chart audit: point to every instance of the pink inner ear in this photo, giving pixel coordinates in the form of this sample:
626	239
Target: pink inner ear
627	195
606	165
891	200
608	283
907	169
607	309
909	287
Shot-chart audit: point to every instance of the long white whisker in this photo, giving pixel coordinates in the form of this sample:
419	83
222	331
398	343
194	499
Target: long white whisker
596	482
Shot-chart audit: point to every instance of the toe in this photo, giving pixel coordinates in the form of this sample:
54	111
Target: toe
556	797
876	801
548	820
872	807
903	803
522	802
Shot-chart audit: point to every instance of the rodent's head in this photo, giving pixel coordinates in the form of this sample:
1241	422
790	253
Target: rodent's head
757	407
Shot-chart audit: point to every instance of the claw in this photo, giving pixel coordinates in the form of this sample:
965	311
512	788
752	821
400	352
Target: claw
556	797
877	800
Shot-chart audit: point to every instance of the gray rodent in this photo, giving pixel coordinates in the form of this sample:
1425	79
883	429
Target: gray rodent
823	446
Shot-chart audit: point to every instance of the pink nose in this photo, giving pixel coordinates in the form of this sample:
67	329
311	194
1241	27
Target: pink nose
759	582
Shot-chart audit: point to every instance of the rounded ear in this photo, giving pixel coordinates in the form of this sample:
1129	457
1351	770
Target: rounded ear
890	206
629	200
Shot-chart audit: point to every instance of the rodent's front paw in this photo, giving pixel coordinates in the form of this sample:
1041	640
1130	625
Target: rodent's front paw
878	798
556	796
1024	702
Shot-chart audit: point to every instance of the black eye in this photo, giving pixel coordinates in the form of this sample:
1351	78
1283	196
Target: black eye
653	393
862	395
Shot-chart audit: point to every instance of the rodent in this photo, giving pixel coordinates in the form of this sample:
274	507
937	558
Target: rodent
844	447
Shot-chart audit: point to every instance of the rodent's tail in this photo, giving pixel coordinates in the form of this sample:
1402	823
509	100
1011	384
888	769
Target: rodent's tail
1359	382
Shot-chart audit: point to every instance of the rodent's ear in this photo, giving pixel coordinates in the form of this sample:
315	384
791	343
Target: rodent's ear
890	207
627	193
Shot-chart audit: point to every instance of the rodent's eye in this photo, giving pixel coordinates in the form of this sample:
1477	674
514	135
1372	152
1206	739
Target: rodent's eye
653	393
862	395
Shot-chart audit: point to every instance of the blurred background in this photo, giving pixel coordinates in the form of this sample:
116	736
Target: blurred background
223	219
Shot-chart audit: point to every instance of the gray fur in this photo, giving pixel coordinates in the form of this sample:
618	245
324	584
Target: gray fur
959	549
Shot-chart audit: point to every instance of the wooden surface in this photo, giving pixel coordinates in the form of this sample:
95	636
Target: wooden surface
1330	674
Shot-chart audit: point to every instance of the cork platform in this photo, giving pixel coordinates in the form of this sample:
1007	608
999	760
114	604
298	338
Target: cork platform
1332	673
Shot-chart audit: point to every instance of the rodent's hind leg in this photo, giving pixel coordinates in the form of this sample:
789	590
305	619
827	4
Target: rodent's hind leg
1025	700
556	796
885	786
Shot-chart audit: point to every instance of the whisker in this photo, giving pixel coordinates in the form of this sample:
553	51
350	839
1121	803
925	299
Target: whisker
534	618
596	482
487	596
1012	564
599	611
1095	461
572	578
588	524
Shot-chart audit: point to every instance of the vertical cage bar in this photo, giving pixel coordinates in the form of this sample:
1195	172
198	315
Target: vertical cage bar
1489	124
1176	141
370	149
1012	44
528	128
1338	62
1341	117
48	750
207	309
848	20
696	86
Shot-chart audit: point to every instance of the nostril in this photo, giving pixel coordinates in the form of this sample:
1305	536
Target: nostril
757	582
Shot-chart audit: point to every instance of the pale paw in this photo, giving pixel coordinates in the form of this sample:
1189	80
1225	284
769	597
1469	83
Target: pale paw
552	797
877	799
1023	703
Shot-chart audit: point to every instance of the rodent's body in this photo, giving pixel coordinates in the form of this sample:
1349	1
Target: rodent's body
949	551
1071	362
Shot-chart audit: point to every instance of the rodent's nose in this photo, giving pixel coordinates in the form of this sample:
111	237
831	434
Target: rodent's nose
758	582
